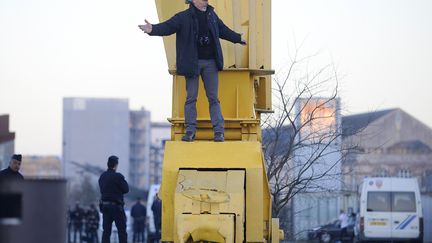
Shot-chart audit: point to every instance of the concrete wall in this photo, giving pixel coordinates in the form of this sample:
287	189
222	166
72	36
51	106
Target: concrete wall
6	152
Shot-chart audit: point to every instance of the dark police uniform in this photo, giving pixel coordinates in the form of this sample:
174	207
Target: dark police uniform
157	216
77	218
112	186
92	225
8	174
139	214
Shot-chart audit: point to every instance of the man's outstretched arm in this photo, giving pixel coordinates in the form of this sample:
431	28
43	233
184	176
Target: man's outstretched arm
168	27
228	34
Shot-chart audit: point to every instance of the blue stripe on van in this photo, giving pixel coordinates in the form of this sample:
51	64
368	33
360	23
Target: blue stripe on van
403	222
408	222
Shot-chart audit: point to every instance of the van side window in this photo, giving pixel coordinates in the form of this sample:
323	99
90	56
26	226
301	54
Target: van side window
378	202
403	202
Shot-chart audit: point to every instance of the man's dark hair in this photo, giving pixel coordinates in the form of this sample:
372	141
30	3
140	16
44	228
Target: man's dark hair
112	161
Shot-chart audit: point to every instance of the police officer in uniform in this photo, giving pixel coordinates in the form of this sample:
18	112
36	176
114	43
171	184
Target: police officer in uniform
139	214
157	215
12	172
112	186
92	224
77	218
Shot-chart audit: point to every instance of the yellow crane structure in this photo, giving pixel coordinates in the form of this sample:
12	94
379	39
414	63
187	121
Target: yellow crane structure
219	192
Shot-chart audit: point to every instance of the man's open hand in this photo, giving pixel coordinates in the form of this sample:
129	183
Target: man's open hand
243	41
147	28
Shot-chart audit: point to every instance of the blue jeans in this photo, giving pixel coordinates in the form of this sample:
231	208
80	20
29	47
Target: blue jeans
209	73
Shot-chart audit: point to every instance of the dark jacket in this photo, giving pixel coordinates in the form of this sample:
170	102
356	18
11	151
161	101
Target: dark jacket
112	186
157	213
139	214
8	174
77	216
92	219
138	211
185	25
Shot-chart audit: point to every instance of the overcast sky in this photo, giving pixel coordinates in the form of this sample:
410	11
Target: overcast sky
52	49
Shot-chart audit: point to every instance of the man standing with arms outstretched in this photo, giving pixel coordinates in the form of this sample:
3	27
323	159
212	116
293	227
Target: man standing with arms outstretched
199	53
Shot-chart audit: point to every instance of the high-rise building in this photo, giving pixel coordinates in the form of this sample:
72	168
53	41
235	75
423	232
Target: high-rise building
140	148
319	154
94	129
160	132
7	141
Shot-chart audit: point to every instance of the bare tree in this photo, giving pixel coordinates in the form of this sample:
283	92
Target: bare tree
84	192
302	138
93	172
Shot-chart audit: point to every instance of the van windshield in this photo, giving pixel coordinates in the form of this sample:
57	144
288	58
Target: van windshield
391	201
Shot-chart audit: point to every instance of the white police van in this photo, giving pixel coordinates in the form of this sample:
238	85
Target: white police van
390	210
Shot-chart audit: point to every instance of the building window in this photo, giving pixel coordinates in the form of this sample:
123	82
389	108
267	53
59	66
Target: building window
404	173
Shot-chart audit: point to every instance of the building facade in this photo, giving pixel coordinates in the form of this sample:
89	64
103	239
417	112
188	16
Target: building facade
41	167
140	134
160	133
391	143
94	129
7	142
388	143
318	160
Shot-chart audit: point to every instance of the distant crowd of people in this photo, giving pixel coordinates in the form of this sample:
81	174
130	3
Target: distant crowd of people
83	224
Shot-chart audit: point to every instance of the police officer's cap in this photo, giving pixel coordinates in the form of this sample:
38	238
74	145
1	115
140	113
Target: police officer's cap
17	157
113	158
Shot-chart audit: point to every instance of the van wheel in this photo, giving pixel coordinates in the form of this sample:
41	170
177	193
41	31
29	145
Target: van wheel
325	237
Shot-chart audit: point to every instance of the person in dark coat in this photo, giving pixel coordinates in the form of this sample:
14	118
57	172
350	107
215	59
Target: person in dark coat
139	215
77	218
12	171
113	186
69	224
157	215
199	53
92	224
